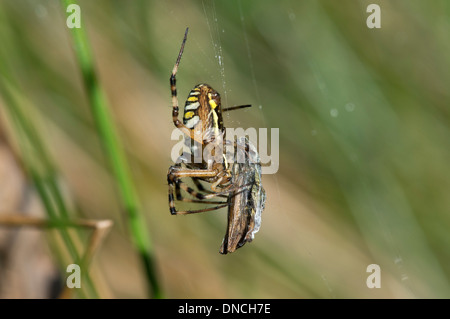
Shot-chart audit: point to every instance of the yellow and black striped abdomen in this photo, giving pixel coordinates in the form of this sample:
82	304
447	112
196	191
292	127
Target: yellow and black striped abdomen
191	108
203	104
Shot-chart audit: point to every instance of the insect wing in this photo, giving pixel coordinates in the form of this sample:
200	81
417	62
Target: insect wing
248	202
238	219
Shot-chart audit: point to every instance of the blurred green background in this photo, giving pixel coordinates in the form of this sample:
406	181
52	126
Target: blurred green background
364	144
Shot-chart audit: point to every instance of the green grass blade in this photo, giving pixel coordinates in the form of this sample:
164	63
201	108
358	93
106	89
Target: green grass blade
114	153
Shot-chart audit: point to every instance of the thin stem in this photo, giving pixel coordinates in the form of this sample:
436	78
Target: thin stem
114	153
29	136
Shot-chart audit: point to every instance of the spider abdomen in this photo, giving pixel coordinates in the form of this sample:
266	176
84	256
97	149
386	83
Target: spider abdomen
203	107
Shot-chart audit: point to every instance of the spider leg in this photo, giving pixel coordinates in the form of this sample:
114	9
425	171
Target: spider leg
232	108
174	182
201	188
177	191
174	211
198	201
214	185
199	210
201	196
173	89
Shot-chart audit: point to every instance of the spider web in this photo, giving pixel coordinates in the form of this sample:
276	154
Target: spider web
212	21
214	25
216	30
